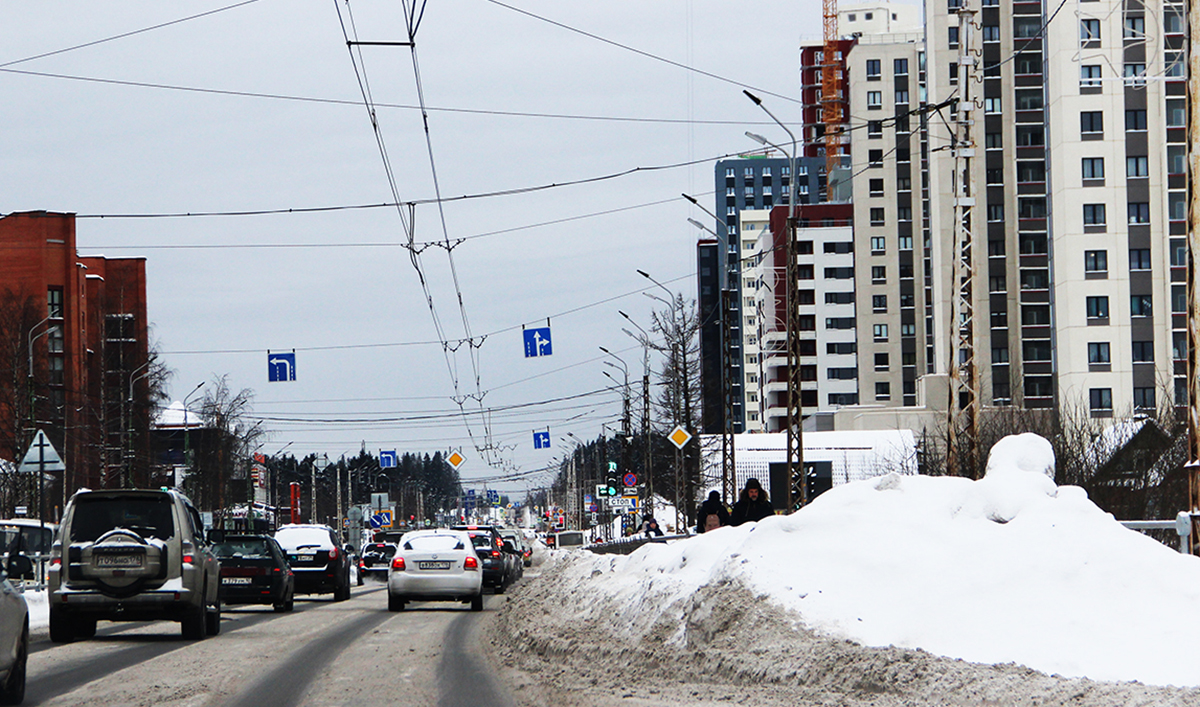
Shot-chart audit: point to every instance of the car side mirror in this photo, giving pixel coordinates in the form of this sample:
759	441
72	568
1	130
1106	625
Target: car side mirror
216	535
19	567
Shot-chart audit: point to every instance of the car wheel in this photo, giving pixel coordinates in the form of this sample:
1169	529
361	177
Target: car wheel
395	603
83	628
477	602
499	588
61	628
12	692
193	624
212	619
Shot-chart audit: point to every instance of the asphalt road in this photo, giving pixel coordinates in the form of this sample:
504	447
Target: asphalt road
323	653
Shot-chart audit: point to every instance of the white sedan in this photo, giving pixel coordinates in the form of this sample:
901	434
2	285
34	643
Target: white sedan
435	565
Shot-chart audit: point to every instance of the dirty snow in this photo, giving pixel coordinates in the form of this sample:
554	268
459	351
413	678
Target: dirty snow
1010	570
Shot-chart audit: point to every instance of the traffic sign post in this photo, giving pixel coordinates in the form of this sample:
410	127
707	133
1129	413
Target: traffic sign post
41	458
281	367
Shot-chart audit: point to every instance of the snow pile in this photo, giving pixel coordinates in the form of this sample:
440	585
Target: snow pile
1010	568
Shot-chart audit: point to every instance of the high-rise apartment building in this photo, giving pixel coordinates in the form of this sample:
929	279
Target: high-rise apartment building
1079	211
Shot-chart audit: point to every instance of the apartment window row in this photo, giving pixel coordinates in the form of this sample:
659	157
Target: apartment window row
1137	212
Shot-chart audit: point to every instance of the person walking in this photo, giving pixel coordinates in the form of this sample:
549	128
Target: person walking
651	528
753	504
712	508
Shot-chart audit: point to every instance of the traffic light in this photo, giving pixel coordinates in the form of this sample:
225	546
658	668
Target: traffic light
612	480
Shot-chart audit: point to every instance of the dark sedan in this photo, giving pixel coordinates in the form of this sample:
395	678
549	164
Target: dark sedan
255	570
375	559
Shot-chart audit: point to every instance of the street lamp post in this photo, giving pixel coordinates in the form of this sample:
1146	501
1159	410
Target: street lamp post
187	452
797	488
127	419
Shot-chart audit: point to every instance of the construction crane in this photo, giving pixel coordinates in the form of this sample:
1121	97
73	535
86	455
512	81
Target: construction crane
831	79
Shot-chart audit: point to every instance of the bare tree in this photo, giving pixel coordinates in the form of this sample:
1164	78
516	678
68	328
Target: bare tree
224	445
678	400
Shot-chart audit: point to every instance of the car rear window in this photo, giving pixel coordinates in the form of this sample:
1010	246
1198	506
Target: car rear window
148	516
482	540
433	543
32	539
250	548
295	538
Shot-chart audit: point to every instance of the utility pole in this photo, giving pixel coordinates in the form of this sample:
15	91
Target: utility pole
1192	467
962	427
728	462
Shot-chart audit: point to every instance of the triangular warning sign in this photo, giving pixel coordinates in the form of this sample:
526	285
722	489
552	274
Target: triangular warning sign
42	456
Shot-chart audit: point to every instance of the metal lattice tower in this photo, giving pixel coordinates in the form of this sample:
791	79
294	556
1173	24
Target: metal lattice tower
728	462
962	427
1192	468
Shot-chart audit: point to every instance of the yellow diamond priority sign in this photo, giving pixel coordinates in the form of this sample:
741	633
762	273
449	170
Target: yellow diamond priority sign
456	460
679	437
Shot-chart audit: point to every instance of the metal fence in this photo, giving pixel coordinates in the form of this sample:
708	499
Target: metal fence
1161	529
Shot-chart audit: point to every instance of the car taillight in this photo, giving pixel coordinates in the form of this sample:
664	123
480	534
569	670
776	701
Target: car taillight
470	563
398	564
189	559
333	554
55	561
495	553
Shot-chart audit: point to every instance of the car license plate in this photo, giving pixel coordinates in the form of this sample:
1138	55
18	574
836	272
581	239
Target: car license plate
118	560
439	565
235	580
304	558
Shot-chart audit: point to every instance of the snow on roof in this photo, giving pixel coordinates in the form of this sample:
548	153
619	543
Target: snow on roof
1113	439
172	416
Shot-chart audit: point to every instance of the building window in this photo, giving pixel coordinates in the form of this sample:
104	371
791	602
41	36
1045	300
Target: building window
1143	352
878	245
875	158
879	304
997	283
1097	307
901	96
991	105
874	99
874	69
881	362
1029	99
1135	120
991	33
1000	354
995	212
880	332
1089	75
1093	215
1095	260
54	303
1093	168
875	186
1091	121
57	375
1135	27
908	330
1027	27
1143	398
1089	30
1137	166
1135	74
748	173
878	274
1139	212
952	33
993	141
905	242
877	218
904	213
1035	315
883	390
1141	305
1139	258
1100	399
54	337
1037	350
874	128
1098	352
900	67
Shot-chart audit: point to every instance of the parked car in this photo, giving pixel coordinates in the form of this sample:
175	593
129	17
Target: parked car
435	565
375	559
319	563
498	566
521	545
36	537
132	555
14	629
254	570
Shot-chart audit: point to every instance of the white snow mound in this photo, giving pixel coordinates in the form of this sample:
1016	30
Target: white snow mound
1010	568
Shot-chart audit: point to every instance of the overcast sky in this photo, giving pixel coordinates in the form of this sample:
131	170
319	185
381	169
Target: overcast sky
514	101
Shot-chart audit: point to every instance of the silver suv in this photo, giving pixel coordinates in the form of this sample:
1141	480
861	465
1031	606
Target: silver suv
132	555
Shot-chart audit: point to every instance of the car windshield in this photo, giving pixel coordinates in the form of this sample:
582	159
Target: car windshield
292	539
255	548
433	543
148	516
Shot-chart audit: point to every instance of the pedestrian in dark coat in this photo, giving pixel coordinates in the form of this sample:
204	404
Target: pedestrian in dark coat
712	506
651	528
752	505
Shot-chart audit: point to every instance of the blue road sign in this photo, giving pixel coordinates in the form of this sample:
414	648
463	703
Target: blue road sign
493	497
541	440
281	367
382	520
387	459
537	342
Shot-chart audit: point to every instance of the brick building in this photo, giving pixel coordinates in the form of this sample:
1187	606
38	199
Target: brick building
75	327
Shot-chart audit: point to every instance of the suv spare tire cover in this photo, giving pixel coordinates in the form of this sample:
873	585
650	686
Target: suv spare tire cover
124	581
